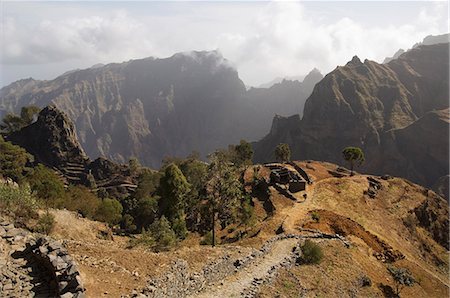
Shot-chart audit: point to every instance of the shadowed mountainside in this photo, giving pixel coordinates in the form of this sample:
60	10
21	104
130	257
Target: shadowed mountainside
396	112
152	108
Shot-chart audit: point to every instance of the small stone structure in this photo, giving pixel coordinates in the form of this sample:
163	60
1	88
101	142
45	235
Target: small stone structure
283	175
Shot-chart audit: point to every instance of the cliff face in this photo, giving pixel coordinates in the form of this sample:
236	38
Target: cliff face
381	108
52	141
151	108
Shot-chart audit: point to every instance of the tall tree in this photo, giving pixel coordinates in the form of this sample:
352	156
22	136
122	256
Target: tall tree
224	191
174	189
243	153
283	152
354	156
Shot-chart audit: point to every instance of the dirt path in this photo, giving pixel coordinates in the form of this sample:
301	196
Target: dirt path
235	284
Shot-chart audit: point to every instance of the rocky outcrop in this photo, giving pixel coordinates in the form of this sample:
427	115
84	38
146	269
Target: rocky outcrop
153	108
51	139
53	142
396	112
432	215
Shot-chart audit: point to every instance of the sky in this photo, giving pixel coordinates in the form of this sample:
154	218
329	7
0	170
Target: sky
262	40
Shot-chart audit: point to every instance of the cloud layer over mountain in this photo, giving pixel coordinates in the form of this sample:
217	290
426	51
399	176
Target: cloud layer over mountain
263	40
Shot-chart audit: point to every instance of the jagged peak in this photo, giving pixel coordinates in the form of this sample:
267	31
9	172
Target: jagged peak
355	61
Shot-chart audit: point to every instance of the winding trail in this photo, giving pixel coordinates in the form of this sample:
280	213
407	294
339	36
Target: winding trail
235	284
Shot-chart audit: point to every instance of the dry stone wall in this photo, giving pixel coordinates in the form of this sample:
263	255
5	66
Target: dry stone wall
33	265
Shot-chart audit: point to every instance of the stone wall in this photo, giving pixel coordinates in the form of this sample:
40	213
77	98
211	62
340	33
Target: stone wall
55	258
35	265
180	282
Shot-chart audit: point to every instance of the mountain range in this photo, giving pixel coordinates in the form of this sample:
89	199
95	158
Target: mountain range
396	112
152	108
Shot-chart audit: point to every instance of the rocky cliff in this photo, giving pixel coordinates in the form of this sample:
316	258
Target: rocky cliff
52	141
389	110
151	108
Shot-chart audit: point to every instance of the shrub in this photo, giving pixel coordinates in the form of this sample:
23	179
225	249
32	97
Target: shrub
109	211
163	235
402	278
45	223
145	239
179	227
18	201
47	186
82	200
207	239
127	223
312	253
315	216
12	160
365	281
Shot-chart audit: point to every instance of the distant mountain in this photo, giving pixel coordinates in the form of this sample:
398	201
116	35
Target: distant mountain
397	112
152	108
396	55
427	41
434	39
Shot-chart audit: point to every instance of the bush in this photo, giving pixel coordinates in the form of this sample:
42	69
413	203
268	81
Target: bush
179	227
402	278
163	235
47	186
127	223
145	239
315	216
12	160
109	211
365	281
82	200
18	201
207	239
312	253
45	223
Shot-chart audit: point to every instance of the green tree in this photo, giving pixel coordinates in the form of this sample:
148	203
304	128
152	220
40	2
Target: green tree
283	152
162	233
402	278
173	189
13	122
109	211
134	166
243	153
47	185
12	160
224	191
354	155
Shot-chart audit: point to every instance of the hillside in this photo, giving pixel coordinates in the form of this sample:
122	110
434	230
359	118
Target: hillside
389	110
389	227
153	108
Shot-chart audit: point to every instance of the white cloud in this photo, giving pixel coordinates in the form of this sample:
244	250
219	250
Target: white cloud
263	40
104	39
288	41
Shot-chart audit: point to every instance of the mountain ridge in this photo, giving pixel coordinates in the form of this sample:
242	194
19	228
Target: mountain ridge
356	104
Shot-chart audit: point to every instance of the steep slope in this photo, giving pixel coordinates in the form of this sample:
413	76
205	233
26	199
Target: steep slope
151	108
403	220
359	104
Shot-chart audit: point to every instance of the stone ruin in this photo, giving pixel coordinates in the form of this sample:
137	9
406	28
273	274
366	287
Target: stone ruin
283	175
